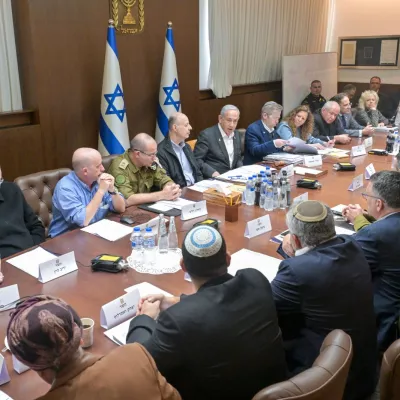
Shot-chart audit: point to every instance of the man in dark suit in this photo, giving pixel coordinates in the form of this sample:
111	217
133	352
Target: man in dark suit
325	286
175	156
387	104
347	122
380	242
314	100
261	138
222	342
218	149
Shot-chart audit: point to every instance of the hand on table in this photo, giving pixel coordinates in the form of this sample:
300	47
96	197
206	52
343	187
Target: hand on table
287	246
165	301
352	211
171	192
215	174
368	130
318	146
151	309
343	139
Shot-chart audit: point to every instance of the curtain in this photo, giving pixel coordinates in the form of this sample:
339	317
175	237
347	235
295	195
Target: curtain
10	90
248	38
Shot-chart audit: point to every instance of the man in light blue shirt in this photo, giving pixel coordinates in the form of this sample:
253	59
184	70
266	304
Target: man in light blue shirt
85	195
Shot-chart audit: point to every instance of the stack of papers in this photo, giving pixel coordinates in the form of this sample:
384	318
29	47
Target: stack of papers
109	230
330	150
288	158
241	174
178	203
209	184
300	146
309	171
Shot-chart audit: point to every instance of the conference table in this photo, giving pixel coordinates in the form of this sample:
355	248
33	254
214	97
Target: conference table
87	291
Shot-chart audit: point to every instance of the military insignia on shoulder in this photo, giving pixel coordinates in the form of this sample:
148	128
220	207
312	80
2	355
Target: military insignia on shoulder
120	179
153	166
123	164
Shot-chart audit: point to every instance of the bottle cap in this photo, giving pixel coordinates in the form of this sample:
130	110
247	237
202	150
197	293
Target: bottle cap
136	229
252	189
148	229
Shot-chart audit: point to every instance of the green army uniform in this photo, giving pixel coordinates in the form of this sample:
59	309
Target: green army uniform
363	220
130	179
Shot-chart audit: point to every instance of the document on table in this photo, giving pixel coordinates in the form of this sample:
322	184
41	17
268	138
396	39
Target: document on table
107	229
29	261
241	174
244	258
4	396
329	150
178	203
202	186
343	231
300	146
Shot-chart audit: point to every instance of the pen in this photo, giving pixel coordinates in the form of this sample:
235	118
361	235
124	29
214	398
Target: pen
235	177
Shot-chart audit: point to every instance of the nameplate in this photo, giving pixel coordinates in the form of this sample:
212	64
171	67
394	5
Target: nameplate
57	267
119	310
4	376
289	170
194	210
358	150
299	199
356	183
312	161
9	295
18	366
369	171
257	227
368	142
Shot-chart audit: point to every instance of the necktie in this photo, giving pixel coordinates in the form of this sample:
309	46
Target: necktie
344	122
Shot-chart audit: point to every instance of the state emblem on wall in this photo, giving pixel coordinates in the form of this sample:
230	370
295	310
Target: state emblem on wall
128	15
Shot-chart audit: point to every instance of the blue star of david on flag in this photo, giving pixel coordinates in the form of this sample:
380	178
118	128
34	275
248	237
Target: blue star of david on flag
110	98
169	90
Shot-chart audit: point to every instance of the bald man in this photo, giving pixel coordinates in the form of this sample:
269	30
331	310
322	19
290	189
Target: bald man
85	195
176	156
139	176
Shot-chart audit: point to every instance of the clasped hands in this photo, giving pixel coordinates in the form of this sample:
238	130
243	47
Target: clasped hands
106	182
151	305
352	211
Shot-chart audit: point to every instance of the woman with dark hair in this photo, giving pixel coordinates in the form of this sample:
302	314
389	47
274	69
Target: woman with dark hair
299	123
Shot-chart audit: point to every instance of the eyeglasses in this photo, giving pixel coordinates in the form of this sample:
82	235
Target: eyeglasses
366	195
147	154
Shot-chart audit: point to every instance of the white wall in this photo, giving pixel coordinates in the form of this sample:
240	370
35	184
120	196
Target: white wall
366	18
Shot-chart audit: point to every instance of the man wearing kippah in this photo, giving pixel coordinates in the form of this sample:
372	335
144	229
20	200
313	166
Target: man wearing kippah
222	342
326	285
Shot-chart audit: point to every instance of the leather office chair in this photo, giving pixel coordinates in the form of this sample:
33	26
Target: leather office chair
107	160
192	143
242	133
390	373
38	191
325	380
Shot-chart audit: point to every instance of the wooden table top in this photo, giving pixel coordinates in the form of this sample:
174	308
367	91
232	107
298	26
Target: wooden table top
87	291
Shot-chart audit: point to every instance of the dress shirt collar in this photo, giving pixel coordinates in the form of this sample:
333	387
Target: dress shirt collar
224	135
388	215
178	146
266	127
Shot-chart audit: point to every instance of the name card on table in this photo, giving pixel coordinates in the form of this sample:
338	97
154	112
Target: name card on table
18	366
289	170
299	199
356	183
4	396
4	376
9	295
368	142
119	310
57	267
312	161
194	210
369	171
358	150
257	227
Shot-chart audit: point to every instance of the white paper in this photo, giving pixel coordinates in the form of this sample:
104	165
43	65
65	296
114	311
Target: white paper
368	142
202	186
178	203
257	227
119	332
343	231
194	210
339	208
329	150
58	266
4	376
146	288
29	261
388	51
160	207
313	161
358	150
8	295
4	396
300	146
279	238
18	366
244	258
241	174
302	197
304	171
289	171
286	157
356	183
153	224
109	230
369	171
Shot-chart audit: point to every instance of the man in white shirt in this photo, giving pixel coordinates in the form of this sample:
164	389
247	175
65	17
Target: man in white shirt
218	148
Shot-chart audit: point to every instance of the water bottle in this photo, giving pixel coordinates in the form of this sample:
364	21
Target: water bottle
137	247
268	206
389	143
268	173
149	246
162	235
172	235
249	185
396	146
263	193
257	190
288	194
275	194
250	197
282	196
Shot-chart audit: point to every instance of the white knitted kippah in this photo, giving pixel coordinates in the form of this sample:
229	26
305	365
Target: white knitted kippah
203	241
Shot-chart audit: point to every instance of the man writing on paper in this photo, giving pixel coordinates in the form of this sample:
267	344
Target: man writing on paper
175	156
380	242
137	172
314	100
348	124
20	228
218	149
325	286
85	195
222	342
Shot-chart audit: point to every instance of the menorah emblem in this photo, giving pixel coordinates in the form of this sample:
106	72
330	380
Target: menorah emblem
128	19
131	21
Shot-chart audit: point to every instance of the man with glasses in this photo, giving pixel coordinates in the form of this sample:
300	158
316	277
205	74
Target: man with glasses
137	172
327	126
380	241
348	124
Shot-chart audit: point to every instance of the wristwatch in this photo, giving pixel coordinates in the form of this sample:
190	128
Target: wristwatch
114	192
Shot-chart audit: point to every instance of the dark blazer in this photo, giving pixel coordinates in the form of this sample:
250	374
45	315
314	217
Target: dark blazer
172	165
381	244
325	289
387	105
258	142
314	103
220	343
323	130
210	152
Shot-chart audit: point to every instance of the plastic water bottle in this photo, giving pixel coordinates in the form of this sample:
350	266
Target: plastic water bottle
249	185
288	194
268	206
172	235
137	247
396	146
163	245
149	245
268	173
282	196
250	197
275	194
263	193
257	191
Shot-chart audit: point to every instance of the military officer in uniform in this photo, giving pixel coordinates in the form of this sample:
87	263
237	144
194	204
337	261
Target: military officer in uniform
314	100
137	171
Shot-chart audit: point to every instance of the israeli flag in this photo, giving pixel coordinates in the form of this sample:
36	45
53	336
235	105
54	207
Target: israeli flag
169	100
113	137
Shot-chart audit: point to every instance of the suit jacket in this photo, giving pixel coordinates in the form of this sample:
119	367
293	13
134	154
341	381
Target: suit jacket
210	152
259	143
220	343
328	288
324	131
351	126
387	105
172	165
125	373
380	242
372	117
20	228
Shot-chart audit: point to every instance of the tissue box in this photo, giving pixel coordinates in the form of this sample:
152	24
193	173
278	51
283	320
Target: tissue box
214	197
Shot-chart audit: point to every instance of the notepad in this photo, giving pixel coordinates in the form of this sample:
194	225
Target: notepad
109	230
